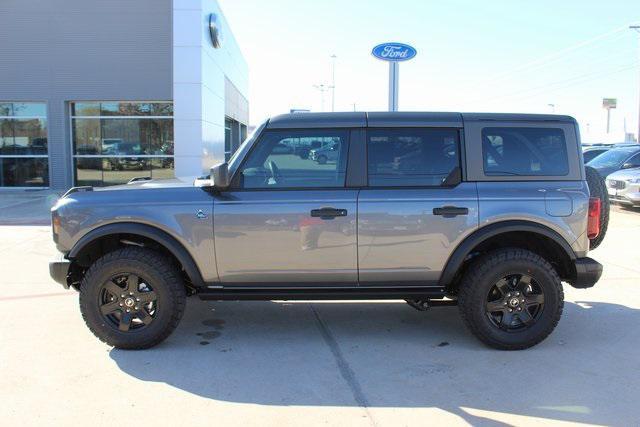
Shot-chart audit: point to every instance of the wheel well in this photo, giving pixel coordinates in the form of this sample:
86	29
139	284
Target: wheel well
537	243
102	245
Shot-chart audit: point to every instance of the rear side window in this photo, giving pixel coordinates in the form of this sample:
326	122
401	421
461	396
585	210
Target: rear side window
524	152
411	157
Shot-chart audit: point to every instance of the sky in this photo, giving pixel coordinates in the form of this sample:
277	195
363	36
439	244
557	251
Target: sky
482	56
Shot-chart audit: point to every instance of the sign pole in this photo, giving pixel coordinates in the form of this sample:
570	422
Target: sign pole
608	104
394	77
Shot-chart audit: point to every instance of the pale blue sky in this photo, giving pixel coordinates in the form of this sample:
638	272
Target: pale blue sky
506	55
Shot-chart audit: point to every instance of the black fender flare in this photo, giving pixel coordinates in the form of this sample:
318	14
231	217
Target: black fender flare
459	255
150	232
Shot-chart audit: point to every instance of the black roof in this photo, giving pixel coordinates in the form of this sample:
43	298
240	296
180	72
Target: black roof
401	118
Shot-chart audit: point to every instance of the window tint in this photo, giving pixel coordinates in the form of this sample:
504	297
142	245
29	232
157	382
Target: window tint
411	157
524	151
297	159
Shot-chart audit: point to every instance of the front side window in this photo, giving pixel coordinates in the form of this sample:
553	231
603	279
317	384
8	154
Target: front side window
297	159
23	145
411	157
116	141
517	151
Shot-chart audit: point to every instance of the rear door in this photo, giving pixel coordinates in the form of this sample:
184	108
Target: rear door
289	219
415	209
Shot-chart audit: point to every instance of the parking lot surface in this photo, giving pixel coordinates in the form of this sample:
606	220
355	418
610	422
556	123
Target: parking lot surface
315	363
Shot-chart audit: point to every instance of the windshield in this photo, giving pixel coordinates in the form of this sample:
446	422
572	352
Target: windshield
612	158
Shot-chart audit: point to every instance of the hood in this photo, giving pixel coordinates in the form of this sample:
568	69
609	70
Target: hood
148	184
625	174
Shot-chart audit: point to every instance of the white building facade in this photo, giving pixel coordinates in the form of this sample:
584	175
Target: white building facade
96	93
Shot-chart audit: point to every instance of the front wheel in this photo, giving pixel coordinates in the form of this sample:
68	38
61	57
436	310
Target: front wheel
132	298
511	299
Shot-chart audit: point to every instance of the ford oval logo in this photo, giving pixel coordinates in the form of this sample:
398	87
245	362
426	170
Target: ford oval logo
394	52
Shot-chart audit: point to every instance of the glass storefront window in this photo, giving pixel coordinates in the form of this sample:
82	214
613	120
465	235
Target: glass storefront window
104	171
23	145
116	141
121	109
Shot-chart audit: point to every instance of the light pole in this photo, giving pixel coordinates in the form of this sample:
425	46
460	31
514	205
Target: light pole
333	82
636	28
322	88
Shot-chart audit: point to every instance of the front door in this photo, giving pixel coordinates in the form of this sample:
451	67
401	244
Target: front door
288	218
415	210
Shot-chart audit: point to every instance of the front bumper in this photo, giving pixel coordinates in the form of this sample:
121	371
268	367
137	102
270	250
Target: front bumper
588	272
629	195
59	270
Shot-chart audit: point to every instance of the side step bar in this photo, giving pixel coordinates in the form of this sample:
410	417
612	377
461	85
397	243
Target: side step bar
265	294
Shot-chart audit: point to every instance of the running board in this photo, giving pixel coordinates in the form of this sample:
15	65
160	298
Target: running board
259	294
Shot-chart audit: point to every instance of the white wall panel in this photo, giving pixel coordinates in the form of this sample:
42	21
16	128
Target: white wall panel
199	72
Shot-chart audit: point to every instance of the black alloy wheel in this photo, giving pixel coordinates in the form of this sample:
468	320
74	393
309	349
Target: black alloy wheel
128	302
515	302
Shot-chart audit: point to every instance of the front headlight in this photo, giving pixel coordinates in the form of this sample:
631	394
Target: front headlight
634	180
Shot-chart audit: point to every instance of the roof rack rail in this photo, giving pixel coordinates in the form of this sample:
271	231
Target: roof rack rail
139	178
77	190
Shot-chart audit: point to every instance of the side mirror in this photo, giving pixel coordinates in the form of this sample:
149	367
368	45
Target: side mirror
220	176
630	165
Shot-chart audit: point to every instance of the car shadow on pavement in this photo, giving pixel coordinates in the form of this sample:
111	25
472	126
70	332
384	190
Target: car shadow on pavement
385	354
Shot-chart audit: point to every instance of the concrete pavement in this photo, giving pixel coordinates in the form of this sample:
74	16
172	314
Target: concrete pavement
318	363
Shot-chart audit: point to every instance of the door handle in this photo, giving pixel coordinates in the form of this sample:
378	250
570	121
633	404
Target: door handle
328	213
450	211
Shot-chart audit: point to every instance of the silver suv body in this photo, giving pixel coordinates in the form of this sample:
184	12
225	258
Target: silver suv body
407	204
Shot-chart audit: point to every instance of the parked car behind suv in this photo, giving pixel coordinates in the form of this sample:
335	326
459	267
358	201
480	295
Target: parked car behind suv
623	157
328	153
489	212
624	187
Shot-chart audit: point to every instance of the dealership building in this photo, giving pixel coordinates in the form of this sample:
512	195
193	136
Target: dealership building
98	92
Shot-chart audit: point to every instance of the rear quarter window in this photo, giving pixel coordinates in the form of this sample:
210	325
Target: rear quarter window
519	151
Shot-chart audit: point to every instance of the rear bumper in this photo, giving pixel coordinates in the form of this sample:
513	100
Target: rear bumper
588	272
59	270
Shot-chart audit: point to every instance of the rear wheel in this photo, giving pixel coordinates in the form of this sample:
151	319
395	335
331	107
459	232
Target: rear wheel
511	299
598	188
132	298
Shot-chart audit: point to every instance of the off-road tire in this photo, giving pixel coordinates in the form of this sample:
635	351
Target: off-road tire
481	277
598	188
322	159
162	275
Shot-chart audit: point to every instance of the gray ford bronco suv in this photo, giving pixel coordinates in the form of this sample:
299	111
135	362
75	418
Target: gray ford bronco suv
489	212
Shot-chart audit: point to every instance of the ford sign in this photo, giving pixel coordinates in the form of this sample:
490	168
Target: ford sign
394	52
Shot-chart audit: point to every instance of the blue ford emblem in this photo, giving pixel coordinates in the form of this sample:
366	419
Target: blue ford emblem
394	52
